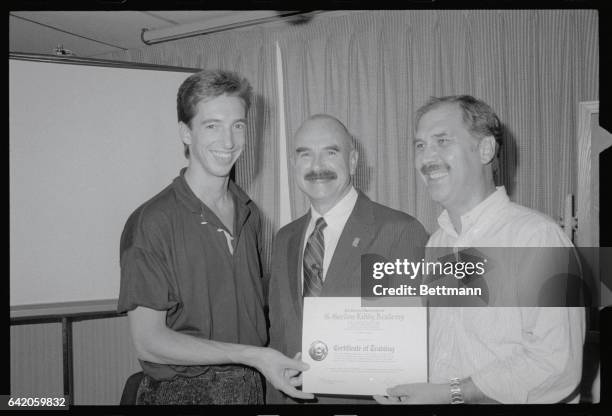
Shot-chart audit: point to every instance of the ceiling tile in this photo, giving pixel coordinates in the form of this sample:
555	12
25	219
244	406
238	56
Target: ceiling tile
120	29
92	33
190	16
28	37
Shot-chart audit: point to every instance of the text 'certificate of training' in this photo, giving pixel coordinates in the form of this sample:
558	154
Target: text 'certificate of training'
359	350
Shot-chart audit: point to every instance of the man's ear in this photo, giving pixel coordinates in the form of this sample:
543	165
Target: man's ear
185	133
487	148
353	159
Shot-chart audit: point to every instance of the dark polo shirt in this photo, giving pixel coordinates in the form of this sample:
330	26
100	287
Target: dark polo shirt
174	258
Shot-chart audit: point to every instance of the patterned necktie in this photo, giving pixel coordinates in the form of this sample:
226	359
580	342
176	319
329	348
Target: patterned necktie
313	260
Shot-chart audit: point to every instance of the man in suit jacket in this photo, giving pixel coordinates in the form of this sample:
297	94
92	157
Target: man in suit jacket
324	160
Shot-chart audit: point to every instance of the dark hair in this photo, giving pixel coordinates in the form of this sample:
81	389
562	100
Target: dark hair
208	84
479	117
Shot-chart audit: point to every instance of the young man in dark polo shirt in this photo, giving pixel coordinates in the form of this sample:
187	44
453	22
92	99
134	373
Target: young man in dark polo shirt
190	266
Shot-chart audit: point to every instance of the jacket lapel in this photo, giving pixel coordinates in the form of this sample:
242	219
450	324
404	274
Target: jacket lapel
355	239
294	261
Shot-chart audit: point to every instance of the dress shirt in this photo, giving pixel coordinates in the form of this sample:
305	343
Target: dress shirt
336	219
512	354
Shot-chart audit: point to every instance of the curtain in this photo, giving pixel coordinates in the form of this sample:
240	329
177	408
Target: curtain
251	53
373	69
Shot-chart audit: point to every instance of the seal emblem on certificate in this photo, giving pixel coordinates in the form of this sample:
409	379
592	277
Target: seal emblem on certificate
318	351
362	350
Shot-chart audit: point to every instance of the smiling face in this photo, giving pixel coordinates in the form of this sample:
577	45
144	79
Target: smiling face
323	161
449	159
215	135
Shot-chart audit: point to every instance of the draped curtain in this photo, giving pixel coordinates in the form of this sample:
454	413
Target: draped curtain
373	69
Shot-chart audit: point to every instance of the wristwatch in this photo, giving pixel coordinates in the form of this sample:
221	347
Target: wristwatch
456	395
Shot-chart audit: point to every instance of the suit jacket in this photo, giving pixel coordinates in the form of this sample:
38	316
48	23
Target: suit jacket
380	230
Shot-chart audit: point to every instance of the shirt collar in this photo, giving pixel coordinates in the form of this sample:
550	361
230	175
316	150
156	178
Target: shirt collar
339	211
481	213
194	203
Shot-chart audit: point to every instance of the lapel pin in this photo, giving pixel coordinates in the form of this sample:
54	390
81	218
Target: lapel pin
356	242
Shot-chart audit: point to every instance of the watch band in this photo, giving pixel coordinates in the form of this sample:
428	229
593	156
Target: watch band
456	395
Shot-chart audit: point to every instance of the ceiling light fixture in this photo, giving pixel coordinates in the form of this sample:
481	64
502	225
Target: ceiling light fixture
155	36
61	51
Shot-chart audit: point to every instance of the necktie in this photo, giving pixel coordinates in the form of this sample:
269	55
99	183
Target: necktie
313	260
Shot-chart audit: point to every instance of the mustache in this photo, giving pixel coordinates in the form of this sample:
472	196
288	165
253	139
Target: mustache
431	167
314	175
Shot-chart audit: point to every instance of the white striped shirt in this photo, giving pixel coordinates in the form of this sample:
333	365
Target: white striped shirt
512	354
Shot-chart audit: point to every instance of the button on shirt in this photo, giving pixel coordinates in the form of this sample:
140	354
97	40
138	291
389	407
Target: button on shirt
512	354
336	219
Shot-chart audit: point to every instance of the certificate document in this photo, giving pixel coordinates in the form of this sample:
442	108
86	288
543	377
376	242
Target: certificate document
355	350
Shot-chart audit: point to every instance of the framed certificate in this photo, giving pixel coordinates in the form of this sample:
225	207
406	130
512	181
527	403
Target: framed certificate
357	350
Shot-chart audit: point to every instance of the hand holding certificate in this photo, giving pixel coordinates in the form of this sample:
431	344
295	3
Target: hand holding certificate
359	350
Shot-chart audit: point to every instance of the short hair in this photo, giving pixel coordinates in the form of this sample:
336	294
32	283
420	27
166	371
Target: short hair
479	117
208	84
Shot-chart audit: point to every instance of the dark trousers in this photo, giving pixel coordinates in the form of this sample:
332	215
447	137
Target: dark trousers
219	384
